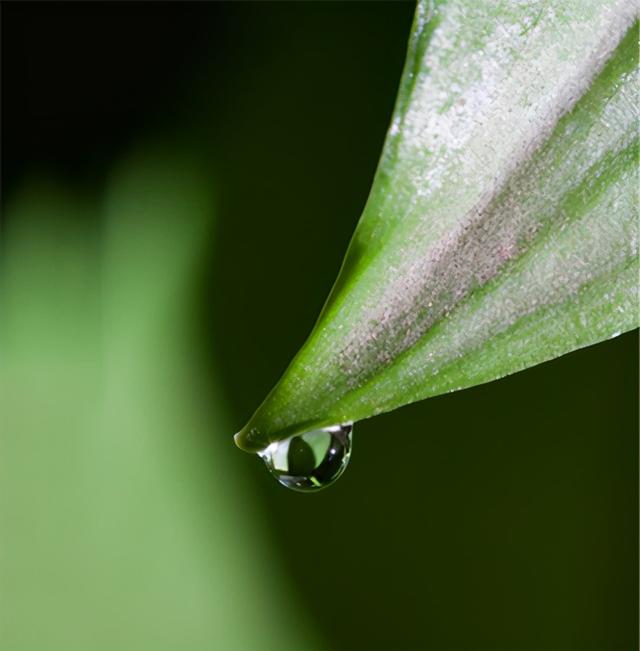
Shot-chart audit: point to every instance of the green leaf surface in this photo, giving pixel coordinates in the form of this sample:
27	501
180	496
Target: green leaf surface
501	230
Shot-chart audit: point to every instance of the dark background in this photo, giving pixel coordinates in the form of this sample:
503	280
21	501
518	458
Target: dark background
501	517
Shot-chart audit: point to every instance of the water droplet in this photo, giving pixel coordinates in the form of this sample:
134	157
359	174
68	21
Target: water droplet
312	460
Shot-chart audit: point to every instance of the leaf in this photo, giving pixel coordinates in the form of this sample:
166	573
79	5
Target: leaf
125	525
501	228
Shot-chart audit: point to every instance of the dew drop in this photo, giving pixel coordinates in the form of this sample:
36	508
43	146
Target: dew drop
312	460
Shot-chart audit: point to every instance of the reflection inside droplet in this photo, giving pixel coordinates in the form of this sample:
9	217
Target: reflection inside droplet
311	460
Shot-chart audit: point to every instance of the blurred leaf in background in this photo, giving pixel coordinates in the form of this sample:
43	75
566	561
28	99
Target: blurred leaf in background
124	524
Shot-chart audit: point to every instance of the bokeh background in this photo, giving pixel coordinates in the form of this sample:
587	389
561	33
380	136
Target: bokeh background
179	184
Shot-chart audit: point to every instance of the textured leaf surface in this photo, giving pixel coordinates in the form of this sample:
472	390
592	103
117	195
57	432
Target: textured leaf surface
501	229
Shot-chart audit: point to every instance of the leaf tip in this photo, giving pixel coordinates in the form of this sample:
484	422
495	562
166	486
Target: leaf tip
250	439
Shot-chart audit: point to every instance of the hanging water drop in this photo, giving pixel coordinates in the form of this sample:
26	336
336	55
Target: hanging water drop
312	460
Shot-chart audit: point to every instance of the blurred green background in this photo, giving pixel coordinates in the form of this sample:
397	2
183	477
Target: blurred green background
179	184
